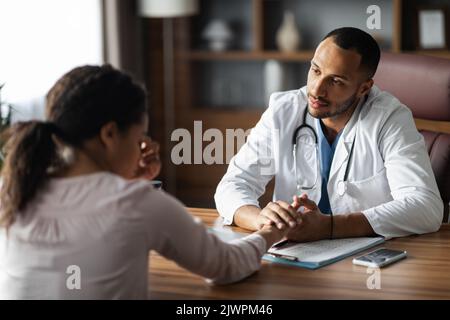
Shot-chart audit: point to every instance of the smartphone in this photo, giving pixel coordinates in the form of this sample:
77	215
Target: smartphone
379	258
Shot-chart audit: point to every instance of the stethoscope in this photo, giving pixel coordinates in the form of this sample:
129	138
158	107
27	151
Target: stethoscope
342	185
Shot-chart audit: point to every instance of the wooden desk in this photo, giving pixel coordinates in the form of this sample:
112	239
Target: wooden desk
425	274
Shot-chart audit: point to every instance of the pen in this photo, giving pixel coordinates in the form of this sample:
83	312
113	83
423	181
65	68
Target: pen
283	256
281	243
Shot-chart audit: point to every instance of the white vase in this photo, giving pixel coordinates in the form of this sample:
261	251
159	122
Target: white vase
288	37
274	78
219	35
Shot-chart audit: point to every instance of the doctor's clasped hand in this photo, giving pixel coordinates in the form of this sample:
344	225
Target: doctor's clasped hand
280	214
314	225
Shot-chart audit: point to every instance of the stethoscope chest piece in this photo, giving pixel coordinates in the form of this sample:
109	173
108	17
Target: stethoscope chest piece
341	188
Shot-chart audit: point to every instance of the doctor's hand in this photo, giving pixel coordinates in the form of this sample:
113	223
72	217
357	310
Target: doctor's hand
149	164
280	214
313	225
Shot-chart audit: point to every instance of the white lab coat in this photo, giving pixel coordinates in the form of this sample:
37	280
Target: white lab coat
390	179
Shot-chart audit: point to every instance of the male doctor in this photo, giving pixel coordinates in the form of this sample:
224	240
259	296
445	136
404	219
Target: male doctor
347	158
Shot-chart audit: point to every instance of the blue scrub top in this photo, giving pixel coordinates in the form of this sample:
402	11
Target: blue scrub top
326	154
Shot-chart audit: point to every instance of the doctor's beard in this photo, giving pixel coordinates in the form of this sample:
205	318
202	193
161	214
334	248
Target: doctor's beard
339	109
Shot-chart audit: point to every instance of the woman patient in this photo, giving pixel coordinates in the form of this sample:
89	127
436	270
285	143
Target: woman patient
76	201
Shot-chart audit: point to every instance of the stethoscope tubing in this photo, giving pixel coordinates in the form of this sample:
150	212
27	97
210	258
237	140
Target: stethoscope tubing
316	140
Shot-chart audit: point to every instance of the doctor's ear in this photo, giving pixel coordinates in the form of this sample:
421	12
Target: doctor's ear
364	88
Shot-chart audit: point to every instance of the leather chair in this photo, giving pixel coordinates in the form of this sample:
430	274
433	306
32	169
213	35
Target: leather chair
423	84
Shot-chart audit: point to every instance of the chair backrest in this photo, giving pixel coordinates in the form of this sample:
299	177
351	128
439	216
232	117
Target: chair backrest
423	84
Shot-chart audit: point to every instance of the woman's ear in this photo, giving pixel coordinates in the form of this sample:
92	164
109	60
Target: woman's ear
109	134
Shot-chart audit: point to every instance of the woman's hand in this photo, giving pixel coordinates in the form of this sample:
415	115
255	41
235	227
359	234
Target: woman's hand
150	164
272	234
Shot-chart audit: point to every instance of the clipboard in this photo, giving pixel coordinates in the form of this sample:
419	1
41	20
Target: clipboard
317	254
338	249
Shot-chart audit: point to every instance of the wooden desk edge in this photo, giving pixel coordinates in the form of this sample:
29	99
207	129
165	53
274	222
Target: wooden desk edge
212	213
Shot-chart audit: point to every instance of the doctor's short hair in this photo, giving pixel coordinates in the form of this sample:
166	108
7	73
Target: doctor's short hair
350	38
